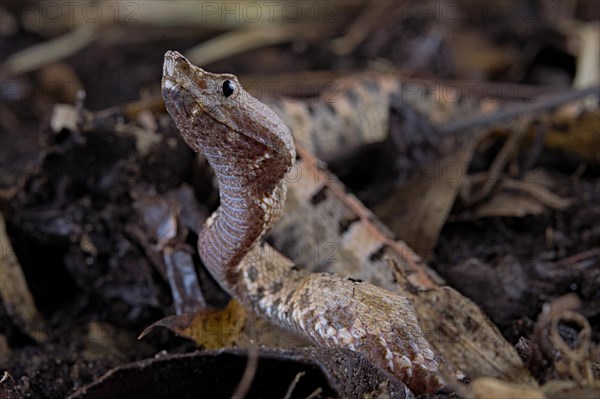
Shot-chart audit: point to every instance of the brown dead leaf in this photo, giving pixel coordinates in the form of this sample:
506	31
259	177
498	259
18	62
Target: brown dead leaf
417	210
537	190
517	198
231	326
15	294
506	204
579	137
484	386
569	389
210	329
477	55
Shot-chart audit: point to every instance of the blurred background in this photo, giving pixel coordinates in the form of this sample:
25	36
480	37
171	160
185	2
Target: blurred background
91	165
113	50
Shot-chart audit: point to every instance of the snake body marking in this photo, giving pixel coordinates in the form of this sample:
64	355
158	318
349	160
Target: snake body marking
251	149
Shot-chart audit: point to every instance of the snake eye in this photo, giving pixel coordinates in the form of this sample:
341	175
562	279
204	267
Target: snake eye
228	88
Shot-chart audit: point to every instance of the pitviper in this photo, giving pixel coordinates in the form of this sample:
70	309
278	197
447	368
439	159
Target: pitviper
251	149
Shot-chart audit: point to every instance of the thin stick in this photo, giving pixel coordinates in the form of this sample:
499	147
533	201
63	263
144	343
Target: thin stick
249	372
315	393
293	384
544	104
241	40
577	258
54	50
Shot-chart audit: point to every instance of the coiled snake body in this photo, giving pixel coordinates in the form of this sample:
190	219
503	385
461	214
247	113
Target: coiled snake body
251	150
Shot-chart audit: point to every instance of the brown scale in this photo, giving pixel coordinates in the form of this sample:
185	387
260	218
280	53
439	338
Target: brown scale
251	149
326	124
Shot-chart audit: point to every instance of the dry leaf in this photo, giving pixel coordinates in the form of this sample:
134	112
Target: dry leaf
210	329
16	297
519	199
417	211
485	387
579	137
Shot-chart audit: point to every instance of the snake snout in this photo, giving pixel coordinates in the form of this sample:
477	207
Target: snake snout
174	63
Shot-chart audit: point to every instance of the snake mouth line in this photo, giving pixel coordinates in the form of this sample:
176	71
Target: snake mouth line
175	91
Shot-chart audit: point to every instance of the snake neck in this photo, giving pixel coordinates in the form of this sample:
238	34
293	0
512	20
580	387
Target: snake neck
250	150
251	202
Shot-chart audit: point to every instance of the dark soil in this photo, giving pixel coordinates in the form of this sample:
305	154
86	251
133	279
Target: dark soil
60	190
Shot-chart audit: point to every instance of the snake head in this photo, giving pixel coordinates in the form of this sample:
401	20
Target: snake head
191	92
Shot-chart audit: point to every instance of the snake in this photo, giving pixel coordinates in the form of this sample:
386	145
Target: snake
251	150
